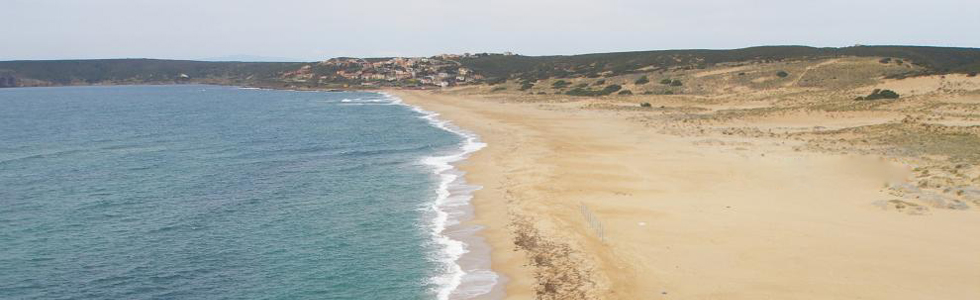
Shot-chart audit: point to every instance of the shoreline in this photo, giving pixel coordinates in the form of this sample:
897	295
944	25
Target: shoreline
756	216
538	264
489	215
691	216
465	251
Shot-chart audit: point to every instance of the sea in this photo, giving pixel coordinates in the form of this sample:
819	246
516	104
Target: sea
214	192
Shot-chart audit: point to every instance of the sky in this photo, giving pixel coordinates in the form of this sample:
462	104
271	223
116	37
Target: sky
307	30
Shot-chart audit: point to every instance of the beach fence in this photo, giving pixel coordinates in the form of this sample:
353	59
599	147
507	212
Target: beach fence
594	222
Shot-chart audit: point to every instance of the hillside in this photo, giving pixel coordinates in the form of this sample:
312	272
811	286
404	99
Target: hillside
135	71
935	60
462	69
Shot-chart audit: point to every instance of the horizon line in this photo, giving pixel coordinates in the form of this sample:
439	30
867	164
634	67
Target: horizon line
218	60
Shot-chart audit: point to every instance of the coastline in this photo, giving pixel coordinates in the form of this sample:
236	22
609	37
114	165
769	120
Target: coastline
689	216
490	212
465	253
752	216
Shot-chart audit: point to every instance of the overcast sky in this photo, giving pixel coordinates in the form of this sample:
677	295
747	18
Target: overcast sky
316	30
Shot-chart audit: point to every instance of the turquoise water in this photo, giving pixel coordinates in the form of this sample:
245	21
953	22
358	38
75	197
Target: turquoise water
204	192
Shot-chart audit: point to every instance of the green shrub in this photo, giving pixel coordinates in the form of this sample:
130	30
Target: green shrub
582	85
645	104
496	80
676	82
666	81
526	86
609	89
497	89
879	94
648	93
625	92
560	84
612	88
600	82
580	92
885	60
642	80
888	94
782	74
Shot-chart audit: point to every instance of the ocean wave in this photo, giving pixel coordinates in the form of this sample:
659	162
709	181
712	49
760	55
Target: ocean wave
452	199
363	104
368	101
372	152
53	154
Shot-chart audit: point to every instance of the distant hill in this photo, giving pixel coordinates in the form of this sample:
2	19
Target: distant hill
491	67
135	71
251	58
938	60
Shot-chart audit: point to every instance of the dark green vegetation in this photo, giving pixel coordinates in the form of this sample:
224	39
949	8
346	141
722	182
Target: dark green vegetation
609	89
935	60
494	68
879	94
642	80
527	85
133	71
560	84
782	74
667	92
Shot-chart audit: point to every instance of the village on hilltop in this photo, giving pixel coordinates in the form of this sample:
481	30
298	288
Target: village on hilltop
441	70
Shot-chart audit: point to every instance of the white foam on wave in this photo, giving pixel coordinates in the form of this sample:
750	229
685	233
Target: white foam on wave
367	101
450	207
252	88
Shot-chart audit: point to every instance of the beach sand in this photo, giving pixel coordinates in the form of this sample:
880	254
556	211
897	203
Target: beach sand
692	217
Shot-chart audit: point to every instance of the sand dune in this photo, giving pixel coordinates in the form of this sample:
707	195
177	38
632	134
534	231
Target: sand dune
696	217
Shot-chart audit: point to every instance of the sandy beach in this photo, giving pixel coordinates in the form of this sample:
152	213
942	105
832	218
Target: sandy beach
697	216
499	150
